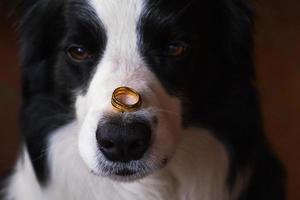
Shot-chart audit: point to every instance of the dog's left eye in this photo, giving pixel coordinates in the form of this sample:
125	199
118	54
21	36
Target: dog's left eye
78	53
177	49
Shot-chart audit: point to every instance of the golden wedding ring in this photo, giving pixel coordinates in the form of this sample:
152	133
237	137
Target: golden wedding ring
119	101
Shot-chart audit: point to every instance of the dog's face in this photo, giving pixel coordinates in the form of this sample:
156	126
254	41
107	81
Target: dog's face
171	53
128	44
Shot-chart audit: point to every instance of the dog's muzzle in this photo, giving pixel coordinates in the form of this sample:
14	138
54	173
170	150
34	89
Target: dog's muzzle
120	139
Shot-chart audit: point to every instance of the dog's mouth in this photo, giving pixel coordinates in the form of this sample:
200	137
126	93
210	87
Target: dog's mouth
124	175
121	173
125	172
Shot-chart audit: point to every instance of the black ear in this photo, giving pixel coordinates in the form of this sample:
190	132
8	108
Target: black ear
238	36
18	7
41	30
25	5
28	3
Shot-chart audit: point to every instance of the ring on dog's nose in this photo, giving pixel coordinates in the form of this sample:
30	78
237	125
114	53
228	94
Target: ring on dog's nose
125	99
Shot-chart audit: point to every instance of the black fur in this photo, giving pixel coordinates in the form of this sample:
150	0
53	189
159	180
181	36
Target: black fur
48	29
214	80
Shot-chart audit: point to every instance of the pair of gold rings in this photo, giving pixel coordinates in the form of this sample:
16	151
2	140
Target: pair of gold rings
125	99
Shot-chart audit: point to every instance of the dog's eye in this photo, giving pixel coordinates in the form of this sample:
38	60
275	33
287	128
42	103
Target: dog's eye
79	53
177	49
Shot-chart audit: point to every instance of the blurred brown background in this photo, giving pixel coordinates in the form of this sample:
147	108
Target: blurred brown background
278	70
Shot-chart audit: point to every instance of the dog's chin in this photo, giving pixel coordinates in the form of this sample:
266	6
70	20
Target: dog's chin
124	175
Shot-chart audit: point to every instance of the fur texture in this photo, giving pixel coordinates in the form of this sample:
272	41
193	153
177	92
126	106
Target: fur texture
207	140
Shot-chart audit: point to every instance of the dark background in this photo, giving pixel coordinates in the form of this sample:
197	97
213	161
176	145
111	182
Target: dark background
278	71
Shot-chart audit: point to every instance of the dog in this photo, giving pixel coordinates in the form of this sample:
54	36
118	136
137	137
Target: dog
197	133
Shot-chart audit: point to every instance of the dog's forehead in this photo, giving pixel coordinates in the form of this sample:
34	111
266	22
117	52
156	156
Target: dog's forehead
129	12
118	13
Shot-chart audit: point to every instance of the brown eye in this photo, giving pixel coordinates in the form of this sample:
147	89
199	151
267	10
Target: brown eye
79	53
177	49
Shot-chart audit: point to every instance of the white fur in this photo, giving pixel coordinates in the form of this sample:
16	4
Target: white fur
197	171
23	184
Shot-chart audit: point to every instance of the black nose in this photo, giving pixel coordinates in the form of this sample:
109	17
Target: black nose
124	142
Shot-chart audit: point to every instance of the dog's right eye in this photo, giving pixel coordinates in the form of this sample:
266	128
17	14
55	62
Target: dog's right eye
79	54
177	49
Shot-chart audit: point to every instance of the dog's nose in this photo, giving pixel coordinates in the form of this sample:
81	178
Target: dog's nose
124	142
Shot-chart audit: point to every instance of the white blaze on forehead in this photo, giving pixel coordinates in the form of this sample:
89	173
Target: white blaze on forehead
120	19
121	65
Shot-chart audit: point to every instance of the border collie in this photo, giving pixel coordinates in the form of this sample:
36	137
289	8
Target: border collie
198	133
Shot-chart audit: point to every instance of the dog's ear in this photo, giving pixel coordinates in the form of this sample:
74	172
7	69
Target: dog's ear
40	21
28	3
238	30
19	7
40	29
229	25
